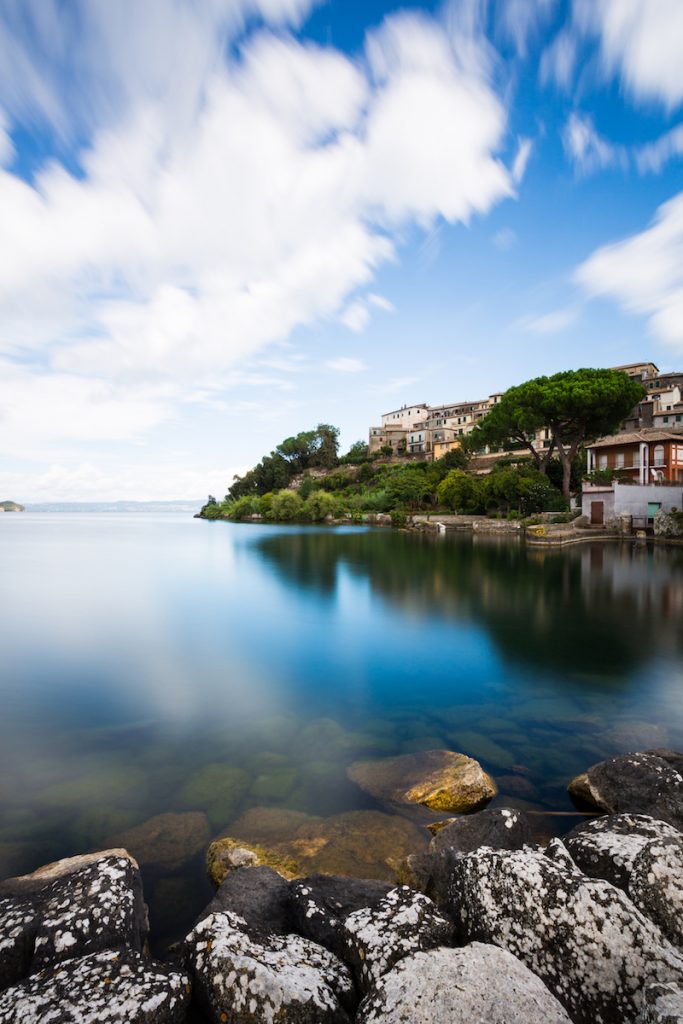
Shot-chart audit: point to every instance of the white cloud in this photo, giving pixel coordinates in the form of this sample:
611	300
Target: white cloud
520	20
588	149
346	365
381	302
549	323
644	273
641	40
638	40
521	160
222	202
653	156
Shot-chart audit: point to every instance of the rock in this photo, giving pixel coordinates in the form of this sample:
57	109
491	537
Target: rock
67	909
517	785
583	937
439	779
479	983
259	895
217	789
640	855
226	855
498	827
501	828
643	783
249	980
361	844
663	1004
403	922
101	988
167	840
320	903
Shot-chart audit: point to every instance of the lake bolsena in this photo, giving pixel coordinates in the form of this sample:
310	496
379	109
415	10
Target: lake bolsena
166	680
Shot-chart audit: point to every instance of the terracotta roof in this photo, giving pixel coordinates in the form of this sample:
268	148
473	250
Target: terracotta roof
636	437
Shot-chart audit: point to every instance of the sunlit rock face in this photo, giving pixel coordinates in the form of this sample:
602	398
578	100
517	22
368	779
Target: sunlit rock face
439	779
477	983
583	937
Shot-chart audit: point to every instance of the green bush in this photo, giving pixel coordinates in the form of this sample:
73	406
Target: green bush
398	518
286	506
461	492
319	505
242	508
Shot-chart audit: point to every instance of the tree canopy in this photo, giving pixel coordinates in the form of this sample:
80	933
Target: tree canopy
577	406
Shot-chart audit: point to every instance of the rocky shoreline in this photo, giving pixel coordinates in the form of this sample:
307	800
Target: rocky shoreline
490	927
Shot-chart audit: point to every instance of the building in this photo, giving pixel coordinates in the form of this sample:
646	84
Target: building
605	503
644	456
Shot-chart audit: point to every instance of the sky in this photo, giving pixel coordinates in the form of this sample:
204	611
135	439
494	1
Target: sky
225	221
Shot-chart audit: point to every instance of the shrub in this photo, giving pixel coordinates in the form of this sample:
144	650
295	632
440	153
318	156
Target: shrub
398	518
242	508
461	492
286	505
319	505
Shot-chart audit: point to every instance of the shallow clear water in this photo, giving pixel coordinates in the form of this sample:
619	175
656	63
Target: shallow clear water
156	663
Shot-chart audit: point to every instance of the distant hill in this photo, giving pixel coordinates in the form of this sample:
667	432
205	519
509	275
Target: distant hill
115	506
11	506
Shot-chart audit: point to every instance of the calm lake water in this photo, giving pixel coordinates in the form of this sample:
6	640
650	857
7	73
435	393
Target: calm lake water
156	663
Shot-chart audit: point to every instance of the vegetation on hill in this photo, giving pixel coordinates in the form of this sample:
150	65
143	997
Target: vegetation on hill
11	506
305	479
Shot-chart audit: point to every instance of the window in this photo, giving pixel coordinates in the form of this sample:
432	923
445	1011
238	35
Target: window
666	419
679	418
659	455
635	457
619	461
602	462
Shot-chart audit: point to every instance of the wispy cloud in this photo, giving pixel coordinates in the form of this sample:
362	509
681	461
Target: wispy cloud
521	160
644	273
345	364
653	156
588	150
504	239
549	323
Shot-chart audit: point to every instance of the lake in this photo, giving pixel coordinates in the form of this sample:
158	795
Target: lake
156	664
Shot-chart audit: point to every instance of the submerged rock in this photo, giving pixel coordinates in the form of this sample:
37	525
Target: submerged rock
643	783
319	905
403	922
640	855
246	979
583	937
167	840
439	779
361	844
102	988
69	908
461	986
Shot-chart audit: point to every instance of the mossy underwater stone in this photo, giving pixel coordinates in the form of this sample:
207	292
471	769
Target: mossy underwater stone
442	780
217	789
167	840
227	855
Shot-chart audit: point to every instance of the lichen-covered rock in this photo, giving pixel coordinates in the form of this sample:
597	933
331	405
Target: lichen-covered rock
228	854
167	840
663	1004
258	895
249	979
461	986
320	904
642	856
101	988
67	909
501	828
643	783
583	937
439	779
403	922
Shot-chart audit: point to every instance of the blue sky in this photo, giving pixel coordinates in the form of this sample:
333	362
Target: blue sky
224	222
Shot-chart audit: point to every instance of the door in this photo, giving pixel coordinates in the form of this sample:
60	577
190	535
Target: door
597	513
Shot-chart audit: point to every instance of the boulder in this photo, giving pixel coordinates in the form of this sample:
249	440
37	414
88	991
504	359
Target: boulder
501	828
101	988
663	1004
640	855
403	922
167	840
461	986
258	895
228	854
583	937
258	979
69	908
439	779
642	783
319	905
361	844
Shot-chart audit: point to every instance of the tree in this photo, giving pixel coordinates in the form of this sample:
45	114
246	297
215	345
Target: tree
577	406
408	487
319	505
461	492
358	453
455	458
510	423
522	488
